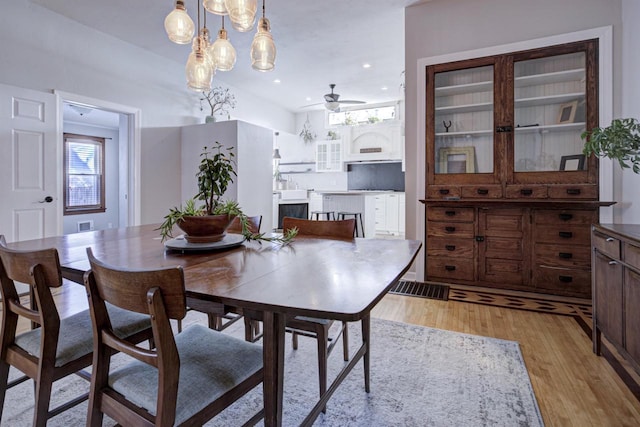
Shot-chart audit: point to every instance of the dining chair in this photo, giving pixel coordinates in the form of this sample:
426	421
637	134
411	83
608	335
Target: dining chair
310	326
186	379
253	224
54	347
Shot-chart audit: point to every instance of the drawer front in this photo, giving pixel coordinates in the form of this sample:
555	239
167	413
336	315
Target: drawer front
482	192
582	192
632	255
562	234
562	256
632	314
526	191
552	216
607	245
450	214
443	192
562	281
450	247
453	229
507	271
449	268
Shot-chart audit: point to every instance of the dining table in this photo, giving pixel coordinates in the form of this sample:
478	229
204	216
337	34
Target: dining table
332	279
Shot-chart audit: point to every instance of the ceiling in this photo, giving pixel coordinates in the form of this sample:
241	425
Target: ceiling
318	42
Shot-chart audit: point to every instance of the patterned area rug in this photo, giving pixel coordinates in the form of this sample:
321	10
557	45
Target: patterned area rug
419	377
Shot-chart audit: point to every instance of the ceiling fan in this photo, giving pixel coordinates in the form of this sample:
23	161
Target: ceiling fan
332	101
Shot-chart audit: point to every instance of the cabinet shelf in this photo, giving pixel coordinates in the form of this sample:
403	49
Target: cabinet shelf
464	88
484	132
552	128
468	108
546	78
548	100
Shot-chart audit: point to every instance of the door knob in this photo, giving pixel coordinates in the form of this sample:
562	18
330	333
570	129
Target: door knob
47	199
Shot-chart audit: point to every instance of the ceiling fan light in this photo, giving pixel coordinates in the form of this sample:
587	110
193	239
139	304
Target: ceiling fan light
215	6
198	70
179	25
242	13
332	106
263	49
223	52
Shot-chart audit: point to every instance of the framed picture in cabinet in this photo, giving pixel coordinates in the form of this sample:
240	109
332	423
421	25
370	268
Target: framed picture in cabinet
572	163
457	159
567	112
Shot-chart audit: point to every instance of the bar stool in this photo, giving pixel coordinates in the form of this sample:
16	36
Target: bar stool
329	214
357	216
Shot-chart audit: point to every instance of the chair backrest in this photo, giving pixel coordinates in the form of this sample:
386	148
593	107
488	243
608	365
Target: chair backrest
159	293
41	270
253	223
340	229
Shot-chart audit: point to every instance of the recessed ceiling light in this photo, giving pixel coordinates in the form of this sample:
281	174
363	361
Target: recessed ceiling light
384	88
366	65
276	81
308	98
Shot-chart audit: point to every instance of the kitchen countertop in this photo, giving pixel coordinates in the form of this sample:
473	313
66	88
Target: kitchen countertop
354	192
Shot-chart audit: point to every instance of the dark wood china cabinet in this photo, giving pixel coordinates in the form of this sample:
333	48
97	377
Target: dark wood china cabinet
509	196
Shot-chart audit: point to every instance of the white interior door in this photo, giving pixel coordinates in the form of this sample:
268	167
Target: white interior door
29	189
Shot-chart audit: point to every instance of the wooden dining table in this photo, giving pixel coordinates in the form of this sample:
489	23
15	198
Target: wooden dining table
333	279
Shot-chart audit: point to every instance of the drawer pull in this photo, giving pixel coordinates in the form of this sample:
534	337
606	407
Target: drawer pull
565	279
450	247
565	216
450	267
565	255
482	191
610	239
526	191
450	229
565	234
443	191
613	262
450	213
573	191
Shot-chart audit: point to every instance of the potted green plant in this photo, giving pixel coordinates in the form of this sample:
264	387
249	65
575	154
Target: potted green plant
219	100
619	141
208	222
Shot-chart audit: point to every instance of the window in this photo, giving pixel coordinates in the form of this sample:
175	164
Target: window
83	174
356	116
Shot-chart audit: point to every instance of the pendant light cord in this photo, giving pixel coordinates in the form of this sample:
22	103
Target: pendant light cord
263	8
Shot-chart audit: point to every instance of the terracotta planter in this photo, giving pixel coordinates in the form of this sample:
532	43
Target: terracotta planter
205	229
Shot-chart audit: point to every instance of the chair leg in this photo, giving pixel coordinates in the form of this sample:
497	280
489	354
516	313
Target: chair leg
294	340
4	382
215	321
42	395
345	341
366	329
322	335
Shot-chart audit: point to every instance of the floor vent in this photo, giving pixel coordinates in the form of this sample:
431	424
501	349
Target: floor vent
419	289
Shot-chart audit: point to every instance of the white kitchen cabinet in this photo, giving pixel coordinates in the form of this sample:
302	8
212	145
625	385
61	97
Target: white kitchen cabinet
315	202
363	203
274	211
378	141
390	211
329	155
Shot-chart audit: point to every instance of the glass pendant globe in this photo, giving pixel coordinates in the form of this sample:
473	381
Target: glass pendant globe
223	52
263	49
198	70
179	25
215	6
205	46
242	13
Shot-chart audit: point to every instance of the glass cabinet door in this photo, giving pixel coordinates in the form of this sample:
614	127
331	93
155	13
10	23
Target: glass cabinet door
463	121
549	113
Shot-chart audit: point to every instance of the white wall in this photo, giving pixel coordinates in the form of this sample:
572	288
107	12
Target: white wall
630	193
45	51
440	27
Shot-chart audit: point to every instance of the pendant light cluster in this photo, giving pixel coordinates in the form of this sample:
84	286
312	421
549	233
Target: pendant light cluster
206	57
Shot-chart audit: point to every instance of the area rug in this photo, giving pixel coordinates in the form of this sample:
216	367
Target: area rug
419	377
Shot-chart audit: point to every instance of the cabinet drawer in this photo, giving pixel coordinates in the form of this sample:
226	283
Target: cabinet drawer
450	247
551	216
562	234
526	191
454	229
442	192
573	192
562	256
449	268
563	281
481	191
632	255
607	245
450	214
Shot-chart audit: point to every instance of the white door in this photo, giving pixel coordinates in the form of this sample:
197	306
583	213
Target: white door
30	206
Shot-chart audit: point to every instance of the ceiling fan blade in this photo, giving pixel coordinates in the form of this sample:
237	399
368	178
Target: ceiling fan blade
313	105
351	101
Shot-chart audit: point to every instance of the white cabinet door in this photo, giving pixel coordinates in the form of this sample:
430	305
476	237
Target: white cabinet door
315	203
392	213
329	156
401	213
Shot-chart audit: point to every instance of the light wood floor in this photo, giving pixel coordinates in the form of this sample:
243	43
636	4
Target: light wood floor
573	386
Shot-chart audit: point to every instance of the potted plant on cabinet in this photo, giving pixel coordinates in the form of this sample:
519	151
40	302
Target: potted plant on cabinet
208	222
619	141
219	100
